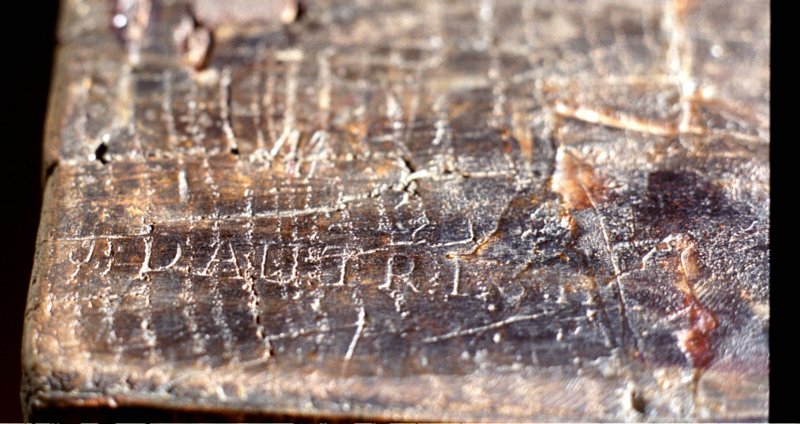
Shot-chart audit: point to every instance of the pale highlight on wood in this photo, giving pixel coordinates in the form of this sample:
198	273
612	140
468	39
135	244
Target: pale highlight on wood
389	210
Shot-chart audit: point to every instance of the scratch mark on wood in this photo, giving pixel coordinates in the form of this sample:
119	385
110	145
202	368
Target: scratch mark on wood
482	328
360	323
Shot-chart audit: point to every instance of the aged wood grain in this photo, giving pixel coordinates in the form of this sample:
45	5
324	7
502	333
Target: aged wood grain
393	210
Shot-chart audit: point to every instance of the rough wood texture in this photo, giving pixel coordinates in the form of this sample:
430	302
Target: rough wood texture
508	210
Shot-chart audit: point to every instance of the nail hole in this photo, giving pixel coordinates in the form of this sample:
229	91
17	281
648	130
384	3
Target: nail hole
100	154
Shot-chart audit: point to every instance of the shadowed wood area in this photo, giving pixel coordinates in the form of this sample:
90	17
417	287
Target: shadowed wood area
389	210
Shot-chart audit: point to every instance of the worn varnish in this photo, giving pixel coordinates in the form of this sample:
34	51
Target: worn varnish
393	210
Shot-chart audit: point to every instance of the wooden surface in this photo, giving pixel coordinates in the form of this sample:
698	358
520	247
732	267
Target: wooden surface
508	210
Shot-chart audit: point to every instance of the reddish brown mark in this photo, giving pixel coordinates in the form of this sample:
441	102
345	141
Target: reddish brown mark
576	182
